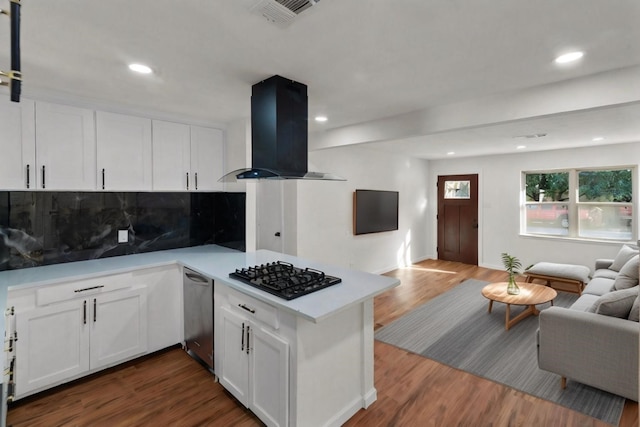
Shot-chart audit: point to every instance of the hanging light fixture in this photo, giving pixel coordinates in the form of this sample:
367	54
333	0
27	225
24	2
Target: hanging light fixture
15	74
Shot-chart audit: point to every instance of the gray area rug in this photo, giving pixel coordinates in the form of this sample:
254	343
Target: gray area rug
456	329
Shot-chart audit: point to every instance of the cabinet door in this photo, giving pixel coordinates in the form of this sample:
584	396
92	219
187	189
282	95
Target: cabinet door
207	158
65	147
171	156
164	305
233	373
17	145
118	326
269	373
52	345
124	152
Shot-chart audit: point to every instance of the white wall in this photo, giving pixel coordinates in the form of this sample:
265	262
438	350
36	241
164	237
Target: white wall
325	210
499	203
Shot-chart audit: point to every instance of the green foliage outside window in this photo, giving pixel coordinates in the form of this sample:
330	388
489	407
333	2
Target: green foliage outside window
605	186
553	187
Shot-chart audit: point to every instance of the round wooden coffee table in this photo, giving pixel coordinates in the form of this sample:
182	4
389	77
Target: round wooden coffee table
530	295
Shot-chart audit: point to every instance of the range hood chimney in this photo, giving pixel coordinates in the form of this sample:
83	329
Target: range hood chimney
279	133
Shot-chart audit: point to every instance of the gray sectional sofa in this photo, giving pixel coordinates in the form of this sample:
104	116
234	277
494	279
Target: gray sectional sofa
595	341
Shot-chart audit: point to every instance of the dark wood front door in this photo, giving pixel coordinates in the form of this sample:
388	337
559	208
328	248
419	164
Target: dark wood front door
458	218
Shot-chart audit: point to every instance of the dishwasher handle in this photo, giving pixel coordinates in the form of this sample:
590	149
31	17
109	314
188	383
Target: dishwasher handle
196	278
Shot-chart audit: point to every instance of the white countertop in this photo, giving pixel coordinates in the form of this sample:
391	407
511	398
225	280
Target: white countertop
215	262
356	286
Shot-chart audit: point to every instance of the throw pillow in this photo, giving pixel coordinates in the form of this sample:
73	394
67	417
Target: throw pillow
617	303
624	255
635	310
628	276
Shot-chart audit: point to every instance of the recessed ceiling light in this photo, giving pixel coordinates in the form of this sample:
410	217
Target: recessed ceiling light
140	68
598	138
451	153
532	136
569	57
321	118
521	147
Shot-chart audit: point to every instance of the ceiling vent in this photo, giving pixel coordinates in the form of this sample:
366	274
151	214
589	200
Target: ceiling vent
282	12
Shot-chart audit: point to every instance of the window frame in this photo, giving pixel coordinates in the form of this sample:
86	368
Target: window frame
574	204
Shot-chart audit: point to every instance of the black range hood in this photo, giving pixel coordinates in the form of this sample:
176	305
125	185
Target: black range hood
279	133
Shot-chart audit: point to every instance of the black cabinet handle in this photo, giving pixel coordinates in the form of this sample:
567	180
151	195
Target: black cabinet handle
94	310
196	174
12	369
88	289
244	307
242	345
84	316
248	328
28	177
187	180
43	177
103	178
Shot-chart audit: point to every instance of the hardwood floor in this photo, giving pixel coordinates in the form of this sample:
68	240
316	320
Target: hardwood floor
171	389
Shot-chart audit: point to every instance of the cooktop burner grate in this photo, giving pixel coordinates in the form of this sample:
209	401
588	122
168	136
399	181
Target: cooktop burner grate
284	279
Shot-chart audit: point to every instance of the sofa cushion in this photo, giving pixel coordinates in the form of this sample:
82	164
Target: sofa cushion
617	303
624	255
586	302
605	273
634	314
599	286
628	276
603	263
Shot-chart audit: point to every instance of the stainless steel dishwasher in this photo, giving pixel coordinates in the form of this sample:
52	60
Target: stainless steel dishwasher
198	316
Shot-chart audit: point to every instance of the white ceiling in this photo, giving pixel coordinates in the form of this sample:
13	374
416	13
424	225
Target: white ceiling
362	60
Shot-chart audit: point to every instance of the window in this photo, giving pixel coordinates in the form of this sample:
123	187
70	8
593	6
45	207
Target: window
580	203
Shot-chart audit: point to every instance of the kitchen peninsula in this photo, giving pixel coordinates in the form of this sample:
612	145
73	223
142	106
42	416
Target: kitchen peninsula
307	361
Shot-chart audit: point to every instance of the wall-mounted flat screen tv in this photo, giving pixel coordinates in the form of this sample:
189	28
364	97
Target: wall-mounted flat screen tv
375	211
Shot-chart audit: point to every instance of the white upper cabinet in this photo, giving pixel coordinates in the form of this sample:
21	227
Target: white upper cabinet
124	152
65	147
48	146
186	157
171	156
207	158
17	145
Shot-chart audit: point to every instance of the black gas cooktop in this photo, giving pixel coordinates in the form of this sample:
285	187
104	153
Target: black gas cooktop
284	280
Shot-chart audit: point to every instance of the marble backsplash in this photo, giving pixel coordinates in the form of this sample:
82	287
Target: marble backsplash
41	228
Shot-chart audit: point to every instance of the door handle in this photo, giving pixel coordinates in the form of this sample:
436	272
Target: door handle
103	178
84	310
43	177
187	180
28	176
94	310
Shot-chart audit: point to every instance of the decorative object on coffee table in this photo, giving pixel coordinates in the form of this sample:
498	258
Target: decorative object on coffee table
512	265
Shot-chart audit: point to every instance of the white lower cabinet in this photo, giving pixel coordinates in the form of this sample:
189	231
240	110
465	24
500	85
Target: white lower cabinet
254	365
64	340
118	327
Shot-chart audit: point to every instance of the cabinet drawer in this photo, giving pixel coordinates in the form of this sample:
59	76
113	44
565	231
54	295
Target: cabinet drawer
254	309
81	288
